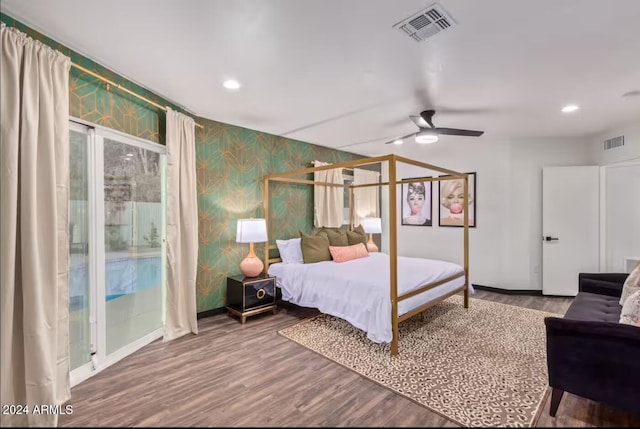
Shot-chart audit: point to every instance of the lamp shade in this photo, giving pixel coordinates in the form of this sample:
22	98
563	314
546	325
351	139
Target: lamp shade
251	231
372	225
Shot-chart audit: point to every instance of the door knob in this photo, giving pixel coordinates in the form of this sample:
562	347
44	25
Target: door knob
548	238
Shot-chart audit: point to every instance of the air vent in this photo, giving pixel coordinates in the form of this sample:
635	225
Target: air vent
426	23
614	143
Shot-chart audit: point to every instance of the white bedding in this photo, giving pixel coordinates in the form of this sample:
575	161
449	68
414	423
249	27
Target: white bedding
358	290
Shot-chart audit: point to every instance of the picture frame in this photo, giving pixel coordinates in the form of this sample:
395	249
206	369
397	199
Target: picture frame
416	203
450	196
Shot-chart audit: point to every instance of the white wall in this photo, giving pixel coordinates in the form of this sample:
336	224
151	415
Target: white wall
621	237
622	216
630	150
506	245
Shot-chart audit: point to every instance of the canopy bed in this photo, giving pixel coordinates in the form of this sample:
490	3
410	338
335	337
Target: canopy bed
375	293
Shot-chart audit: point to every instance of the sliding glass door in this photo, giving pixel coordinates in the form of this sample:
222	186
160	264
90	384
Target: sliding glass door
79	298
133	240
117	246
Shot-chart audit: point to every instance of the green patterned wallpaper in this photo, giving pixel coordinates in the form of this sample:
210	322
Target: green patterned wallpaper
231	162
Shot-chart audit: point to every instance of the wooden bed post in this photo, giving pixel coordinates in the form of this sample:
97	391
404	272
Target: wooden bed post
393	254
466	241
265	200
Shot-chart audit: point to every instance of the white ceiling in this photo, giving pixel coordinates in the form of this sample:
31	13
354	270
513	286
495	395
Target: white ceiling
335	72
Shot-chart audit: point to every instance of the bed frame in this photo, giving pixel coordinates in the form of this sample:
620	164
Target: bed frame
392	183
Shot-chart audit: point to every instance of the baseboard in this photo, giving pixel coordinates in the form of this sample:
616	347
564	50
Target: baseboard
508	291
209	313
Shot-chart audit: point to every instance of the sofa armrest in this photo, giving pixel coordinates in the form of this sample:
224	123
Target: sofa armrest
602	283
596	360
591	330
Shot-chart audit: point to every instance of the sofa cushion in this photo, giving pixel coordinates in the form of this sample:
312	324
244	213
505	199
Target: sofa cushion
594	307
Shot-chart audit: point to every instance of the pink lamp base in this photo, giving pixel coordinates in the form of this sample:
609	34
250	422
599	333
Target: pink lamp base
371	247
251	266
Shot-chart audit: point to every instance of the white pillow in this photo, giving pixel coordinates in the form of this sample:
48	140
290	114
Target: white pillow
290	251
631	284
630	313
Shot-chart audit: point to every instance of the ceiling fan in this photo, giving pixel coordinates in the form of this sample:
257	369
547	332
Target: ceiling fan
429	133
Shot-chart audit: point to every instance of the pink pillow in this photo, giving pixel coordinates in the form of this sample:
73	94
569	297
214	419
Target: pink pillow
347	253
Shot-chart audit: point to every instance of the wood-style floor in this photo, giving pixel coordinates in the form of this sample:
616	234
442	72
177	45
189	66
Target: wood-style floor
247	375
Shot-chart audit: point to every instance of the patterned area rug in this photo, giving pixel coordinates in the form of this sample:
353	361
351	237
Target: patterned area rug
481	366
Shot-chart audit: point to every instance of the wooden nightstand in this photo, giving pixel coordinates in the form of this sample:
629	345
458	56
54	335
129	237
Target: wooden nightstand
247	296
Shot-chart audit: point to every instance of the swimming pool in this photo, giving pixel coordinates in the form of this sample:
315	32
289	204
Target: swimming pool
123	276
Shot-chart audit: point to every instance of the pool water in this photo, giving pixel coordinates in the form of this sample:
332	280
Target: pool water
124	276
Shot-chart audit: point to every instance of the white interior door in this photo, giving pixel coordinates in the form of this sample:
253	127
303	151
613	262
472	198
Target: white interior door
570	227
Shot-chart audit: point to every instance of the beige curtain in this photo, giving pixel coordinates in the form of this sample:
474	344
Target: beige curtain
366	200
34	245
182	226
327	199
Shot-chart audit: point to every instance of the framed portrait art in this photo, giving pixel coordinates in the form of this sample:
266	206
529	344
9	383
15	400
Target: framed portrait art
416	203
451	201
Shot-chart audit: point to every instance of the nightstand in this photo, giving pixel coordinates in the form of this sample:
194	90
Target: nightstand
247	296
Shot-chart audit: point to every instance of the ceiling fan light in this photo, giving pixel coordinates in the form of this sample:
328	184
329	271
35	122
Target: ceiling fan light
426	138
397	141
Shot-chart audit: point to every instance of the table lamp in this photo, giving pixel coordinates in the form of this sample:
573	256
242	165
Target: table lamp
251	231
372	225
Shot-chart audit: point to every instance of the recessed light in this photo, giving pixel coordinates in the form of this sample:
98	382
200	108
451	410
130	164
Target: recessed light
398	141
570	108
231	84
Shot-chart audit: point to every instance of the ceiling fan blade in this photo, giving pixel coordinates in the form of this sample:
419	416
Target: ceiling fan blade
420	123
400	138
427	116
457	132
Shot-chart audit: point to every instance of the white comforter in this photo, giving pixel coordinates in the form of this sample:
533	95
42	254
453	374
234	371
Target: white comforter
358	290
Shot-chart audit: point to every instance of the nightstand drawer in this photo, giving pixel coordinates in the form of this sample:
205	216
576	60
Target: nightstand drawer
257	294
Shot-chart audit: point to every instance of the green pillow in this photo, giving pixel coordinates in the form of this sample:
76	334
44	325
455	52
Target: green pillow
337	238
354	237
315	248
359	229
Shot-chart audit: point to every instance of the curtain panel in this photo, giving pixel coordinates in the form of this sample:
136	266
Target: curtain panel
327	199
366	200
34	245
182	226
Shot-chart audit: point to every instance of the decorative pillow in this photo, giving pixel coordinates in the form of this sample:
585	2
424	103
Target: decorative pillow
359	229
347	253
354	237
315	248
337	238
290	251
630	314
631	284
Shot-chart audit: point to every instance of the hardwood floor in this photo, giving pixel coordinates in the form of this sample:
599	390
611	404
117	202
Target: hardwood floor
247	375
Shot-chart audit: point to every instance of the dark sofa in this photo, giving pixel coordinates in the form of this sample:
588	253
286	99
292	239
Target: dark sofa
591	354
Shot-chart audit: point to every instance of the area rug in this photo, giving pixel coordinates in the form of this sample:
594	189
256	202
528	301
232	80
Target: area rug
481	366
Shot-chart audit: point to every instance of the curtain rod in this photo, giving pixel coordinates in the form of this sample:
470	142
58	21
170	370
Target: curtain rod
122	88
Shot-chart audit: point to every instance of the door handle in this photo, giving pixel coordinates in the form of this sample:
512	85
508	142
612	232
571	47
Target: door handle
548	238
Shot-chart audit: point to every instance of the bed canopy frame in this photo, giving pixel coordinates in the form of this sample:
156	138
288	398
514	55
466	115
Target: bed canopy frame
392	183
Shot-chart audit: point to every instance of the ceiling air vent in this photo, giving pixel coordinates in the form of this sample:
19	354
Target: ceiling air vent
426	23
614	142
